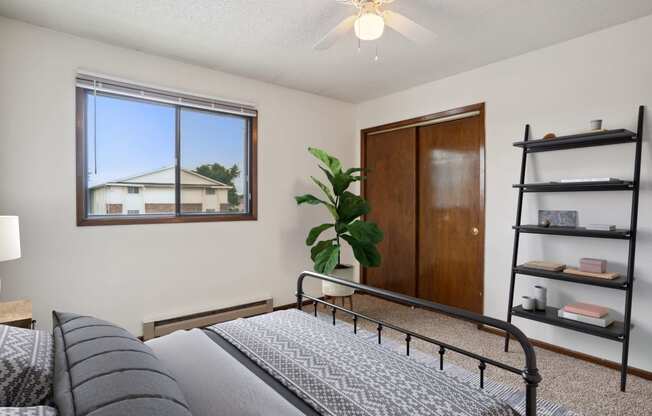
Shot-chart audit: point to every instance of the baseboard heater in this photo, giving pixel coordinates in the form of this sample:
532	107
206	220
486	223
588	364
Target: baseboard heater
158	328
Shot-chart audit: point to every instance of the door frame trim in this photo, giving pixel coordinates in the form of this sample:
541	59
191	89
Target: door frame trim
429	122
416	122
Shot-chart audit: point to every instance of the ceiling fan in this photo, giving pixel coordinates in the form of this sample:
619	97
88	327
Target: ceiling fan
369	24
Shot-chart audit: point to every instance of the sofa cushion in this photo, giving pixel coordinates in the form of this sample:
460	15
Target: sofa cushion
103	370
26	366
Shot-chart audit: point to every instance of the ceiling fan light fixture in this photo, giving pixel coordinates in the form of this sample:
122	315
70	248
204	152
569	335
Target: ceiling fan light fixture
369	26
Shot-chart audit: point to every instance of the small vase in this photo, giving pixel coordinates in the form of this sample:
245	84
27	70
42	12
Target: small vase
541	297
528	303
345	272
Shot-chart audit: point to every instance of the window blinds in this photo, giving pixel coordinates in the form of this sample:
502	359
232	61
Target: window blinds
103	84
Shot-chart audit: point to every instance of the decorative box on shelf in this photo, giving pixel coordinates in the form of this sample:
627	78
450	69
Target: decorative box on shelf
593	265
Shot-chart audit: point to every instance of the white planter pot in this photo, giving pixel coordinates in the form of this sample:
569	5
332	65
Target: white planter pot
333	289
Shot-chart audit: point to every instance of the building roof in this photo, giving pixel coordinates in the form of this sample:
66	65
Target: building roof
165	177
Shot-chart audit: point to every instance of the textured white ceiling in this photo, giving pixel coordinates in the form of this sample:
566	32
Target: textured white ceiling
271	40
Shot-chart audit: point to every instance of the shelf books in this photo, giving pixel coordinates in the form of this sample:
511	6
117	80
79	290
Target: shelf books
601	322
601	227
550	266
589	180
587	313
607	275
588	309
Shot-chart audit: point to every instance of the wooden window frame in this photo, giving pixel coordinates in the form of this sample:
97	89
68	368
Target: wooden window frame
81	180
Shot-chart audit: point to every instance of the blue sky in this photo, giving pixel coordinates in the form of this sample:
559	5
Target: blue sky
134	137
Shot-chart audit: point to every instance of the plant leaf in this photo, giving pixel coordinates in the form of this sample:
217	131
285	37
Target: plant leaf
366	253
315	232
319	247
354	170
340	227
327	173
332	163
339	181
313	200
324	188
367	232
351	207
308	199
326	260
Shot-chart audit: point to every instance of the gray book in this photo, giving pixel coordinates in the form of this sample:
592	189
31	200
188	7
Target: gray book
590	180
601	227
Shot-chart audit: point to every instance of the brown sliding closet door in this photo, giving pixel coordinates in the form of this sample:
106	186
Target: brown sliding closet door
390	189
450	236
426	190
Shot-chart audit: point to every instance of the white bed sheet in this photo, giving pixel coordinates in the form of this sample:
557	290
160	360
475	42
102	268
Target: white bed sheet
213	382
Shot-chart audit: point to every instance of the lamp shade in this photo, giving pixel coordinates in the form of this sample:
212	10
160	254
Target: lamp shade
9	238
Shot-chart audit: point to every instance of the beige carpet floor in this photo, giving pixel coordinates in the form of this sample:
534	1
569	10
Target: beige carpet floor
585	388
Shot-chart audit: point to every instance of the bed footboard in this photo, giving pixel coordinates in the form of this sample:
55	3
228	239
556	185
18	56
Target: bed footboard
529	372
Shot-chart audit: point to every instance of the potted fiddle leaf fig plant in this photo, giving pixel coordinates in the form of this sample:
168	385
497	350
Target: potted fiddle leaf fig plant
345	209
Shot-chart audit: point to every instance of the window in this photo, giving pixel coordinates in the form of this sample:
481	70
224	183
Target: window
156	156
213	146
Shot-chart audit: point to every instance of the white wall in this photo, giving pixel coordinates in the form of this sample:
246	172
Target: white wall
558	89
123	273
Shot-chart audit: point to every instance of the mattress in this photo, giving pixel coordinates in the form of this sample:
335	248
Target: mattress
288	363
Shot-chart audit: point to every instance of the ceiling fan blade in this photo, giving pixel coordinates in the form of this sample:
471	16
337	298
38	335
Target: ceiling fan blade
332	36
406	27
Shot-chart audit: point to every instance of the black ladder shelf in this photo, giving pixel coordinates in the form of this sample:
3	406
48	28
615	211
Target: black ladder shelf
618	331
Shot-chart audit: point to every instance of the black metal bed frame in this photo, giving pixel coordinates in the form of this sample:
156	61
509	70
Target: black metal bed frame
529	373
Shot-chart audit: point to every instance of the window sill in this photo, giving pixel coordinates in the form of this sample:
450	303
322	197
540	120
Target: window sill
126	220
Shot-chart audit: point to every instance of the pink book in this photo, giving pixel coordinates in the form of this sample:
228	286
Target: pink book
587	309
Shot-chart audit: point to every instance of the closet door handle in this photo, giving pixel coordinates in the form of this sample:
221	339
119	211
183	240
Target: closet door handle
475	231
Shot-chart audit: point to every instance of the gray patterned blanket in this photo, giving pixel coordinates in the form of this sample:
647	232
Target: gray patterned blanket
340	374
26	366
28	411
